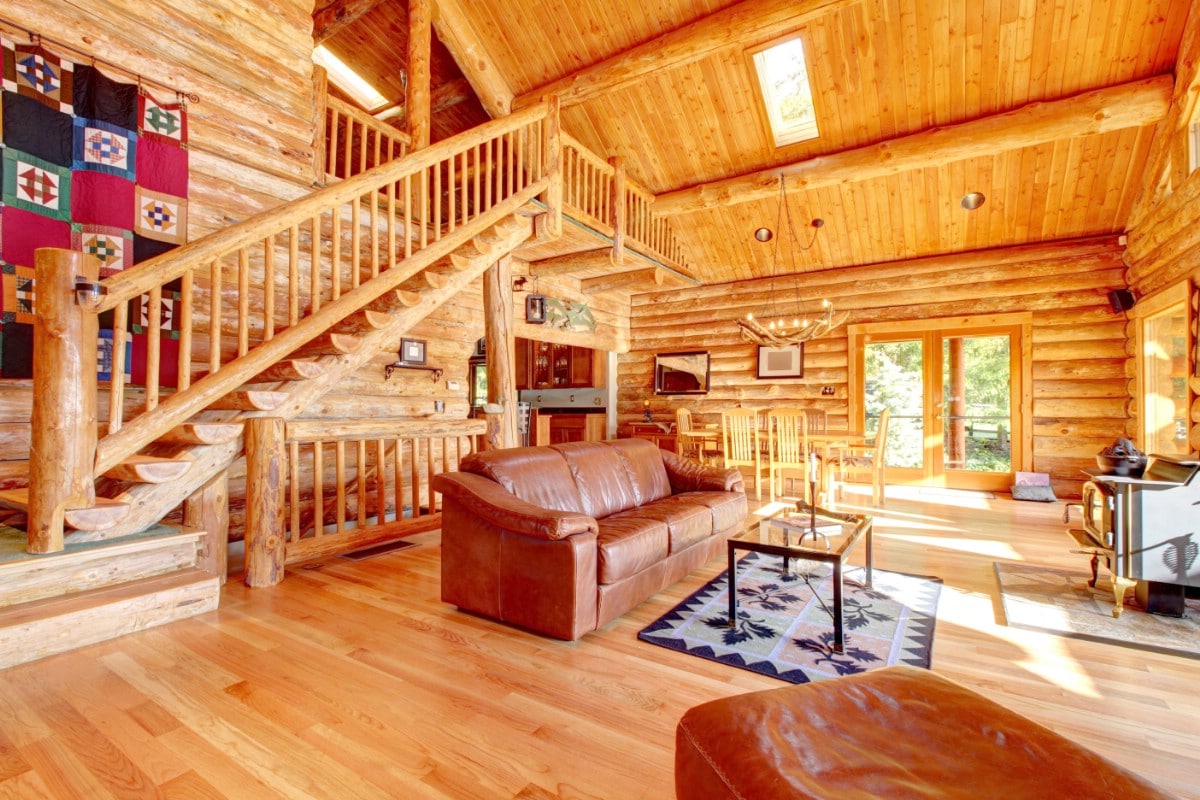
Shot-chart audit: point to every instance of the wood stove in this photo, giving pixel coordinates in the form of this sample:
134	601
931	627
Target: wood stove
1147	531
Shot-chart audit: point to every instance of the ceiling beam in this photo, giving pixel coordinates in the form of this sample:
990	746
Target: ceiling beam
450	94
1129	105
745	22
1173	129
636	281
329	20
455	32
571	263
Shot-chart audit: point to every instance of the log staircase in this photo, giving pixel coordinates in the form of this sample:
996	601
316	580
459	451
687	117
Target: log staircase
287	303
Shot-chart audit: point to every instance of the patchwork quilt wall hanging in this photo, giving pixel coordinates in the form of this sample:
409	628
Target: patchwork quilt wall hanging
93	164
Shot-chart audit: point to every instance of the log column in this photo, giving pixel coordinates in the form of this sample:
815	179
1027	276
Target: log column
552	168
62	450
208	510
265	531
498	330
420	32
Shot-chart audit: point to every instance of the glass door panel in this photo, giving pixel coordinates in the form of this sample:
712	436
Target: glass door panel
894	378
977	403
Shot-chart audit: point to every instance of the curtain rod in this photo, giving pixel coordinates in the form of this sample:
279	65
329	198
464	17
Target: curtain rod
38	39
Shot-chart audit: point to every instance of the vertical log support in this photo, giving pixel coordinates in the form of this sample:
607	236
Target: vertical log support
320	114
265	531
617	203
208	510
420	32
498	333
552	168
62	449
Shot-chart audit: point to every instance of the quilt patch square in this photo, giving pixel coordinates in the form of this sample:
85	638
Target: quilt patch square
99	97
102	147
167	120
34	72
23	232
168	360
161	216
19	295
105	359
162	166
36	185
37	130
168	320
102	199
112	247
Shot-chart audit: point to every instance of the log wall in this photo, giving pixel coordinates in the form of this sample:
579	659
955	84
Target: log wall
1079	382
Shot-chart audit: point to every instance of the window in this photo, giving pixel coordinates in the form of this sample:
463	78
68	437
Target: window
787	96
1162	371
349	81
1194	147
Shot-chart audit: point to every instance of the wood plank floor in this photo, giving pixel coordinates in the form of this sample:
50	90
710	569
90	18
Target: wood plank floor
352	680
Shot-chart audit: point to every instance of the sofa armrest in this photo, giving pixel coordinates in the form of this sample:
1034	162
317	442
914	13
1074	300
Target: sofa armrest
499	507
689	475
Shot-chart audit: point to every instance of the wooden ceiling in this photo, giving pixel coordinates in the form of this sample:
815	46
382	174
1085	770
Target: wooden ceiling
918	102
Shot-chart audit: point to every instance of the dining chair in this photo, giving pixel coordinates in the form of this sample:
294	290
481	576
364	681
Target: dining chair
689	439
742	444
867	459
787	448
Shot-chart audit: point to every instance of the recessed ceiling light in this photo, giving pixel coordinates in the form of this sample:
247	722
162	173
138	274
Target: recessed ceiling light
973	200
764	234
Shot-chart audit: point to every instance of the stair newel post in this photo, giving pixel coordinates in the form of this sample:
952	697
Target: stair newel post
266	467
498	333
552	168
62	448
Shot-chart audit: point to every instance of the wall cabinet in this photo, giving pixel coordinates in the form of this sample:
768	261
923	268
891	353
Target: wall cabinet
544	365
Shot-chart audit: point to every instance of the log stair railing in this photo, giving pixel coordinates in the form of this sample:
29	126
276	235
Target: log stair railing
271	313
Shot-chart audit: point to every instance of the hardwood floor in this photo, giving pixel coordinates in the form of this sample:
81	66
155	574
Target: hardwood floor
353	680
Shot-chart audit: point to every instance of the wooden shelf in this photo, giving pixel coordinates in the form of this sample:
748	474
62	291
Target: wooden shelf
387	371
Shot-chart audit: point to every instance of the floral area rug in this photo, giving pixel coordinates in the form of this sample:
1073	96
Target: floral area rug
784	628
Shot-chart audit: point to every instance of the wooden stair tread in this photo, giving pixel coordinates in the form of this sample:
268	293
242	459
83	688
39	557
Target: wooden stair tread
292	369
35	609
140	468
203	433
96	517
329	344
254	400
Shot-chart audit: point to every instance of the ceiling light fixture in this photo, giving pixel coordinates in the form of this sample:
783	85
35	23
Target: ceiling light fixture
973	200
779	331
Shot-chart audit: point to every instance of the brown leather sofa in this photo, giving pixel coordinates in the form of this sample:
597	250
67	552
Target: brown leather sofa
563	539
894	732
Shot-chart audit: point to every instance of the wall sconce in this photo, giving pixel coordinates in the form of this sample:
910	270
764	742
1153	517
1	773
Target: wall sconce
87	293
535	309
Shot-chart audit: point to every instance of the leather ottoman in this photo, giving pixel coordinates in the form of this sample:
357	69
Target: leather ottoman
896	732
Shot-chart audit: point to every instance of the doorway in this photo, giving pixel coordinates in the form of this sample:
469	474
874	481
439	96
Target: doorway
957	391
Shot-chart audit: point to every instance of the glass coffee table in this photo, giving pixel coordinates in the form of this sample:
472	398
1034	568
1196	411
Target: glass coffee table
788	534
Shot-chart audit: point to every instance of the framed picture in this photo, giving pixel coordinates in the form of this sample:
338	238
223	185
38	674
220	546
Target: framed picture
781	362
412	351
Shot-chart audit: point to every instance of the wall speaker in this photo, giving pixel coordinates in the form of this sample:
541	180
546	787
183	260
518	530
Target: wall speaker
1121	300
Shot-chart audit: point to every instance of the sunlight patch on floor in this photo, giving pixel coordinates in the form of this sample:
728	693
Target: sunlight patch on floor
984	547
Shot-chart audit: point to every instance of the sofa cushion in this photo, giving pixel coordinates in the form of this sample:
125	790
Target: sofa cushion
601	476
537	475
687	522
644	463
629	545
728	509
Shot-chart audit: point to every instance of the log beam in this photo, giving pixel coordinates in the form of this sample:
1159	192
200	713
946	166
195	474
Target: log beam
337	15
571	263
498	330
1129	105
639	280
750	20
420	41
455	32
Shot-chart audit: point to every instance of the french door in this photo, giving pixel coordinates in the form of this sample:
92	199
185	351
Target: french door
957	394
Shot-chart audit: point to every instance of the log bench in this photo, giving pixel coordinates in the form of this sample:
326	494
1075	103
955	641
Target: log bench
895	732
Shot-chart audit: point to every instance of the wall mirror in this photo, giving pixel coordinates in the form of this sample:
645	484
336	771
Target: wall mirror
681	373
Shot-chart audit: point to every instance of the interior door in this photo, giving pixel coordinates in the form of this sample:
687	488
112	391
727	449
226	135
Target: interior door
957	399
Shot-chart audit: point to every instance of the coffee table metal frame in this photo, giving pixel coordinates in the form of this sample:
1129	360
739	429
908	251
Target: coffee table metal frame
860	526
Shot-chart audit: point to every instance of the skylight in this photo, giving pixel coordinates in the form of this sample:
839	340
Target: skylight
783	78
349	81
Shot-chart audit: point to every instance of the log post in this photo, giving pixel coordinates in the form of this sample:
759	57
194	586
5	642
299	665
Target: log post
552	168
420	33
617	202
320	120
498	333
62	449
265	470
208	510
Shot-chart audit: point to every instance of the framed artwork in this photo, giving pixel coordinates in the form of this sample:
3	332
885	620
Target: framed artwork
781	362
412	351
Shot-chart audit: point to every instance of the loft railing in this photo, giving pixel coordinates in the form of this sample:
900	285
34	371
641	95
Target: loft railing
356	141
323	487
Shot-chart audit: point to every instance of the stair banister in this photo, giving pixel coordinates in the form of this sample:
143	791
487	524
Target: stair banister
63	436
